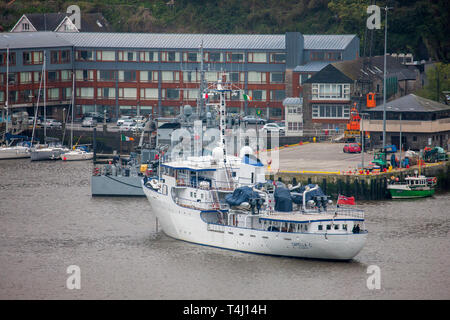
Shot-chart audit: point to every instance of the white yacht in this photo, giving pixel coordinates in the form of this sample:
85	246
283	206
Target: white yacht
224	201
14	152
76	155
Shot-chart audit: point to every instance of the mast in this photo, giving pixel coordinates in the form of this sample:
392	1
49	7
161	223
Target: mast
73	98
384	77
37	106
7	89
45	100
200	100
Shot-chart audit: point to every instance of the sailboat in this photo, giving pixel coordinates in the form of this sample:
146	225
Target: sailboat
75	153
54	148
10	151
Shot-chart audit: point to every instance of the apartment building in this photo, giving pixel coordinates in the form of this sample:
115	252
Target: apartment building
130	73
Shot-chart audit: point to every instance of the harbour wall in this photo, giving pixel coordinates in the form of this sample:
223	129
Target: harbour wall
362	187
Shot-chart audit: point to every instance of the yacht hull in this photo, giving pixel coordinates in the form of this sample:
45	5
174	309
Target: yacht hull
186	224
14	153
116	186
46	154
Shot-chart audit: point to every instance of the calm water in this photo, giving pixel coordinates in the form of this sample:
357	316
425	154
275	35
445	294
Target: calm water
48	221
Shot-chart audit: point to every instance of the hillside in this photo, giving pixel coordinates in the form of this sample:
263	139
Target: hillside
420	27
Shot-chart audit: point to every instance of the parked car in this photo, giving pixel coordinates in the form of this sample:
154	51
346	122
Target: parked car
52	123
253	120
122	119
352	148
127	125
99	117
274	127
140	119
89	122
138	127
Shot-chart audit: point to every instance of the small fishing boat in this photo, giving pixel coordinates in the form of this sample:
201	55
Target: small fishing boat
417	186
79	153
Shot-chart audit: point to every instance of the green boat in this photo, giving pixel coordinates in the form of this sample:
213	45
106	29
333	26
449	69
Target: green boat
412	187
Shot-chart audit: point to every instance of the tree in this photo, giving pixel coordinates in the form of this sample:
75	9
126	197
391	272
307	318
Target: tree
437	81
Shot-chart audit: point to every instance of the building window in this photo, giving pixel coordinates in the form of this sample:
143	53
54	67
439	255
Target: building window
66	93
103	55
128	93
84	55
294	110
414	138
53	76
33	57
258	95
127	76
106	93
295	126
170	56
127	56
330	111
277	58
276	112
277	95
57	57
236	77
317	56
148	56
149	94
334	56
12	78
25	26
277	77
26	77
66	75
191	76
215	57
85	93
12	58
106	75
53	94
235	57
171	94
330	91
170	76
148	76
256	77
84	75
257	57
191	57
190	94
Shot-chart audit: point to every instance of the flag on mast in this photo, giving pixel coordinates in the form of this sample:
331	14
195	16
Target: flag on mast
346	200
126	138
247	97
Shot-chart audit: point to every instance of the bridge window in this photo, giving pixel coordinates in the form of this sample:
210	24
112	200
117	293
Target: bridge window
344	227
319	227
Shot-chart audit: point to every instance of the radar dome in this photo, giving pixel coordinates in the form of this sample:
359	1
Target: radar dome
187	110
245	150
217	153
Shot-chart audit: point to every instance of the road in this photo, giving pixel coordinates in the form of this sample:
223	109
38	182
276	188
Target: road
317	157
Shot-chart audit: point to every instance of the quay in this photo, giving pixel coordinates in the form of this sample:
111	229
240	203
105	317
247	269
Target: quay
336	172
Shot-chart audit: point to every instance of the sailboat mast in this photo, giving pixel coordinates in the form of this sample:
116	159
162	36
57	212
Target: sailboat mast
73	102
37	106
7	89
45	100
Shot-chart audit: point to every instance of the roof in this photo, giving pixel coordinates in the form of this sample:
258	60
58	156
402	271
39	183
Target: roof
176	40
293	101
312	66
329	74
328	41
24	40
45	21
412	103
373	68
90	22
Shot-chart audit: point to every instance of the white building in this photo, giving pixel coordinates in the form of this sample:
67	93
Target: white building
293	116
